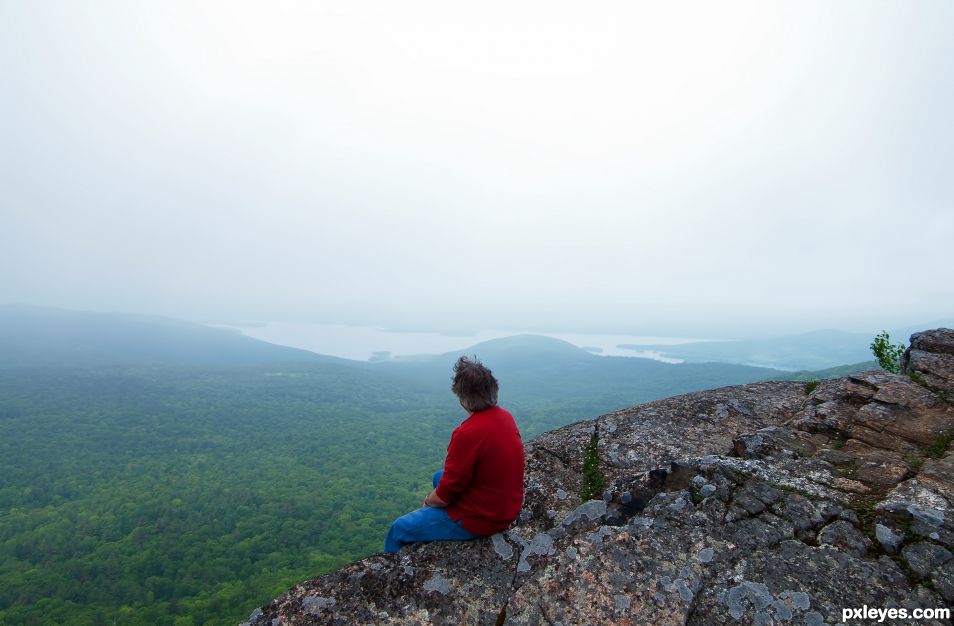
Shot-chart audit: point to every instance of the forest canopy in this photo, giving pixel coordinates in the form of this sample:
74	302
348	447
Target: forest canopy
190	494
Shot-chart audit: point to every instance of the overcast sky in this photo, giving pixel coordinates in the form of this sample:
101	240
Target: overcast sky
680	168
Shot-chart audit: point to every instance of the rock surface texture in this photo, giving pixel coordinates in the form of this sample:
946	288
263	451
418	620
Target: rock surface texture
766	503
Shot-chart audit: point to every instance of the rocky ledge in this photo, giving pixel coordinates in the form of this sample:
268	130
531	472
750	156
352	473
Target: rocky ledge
766	503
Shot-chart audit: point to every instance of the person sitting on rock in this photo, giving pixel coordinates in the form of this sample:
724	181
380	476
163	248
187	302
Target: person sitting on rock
480	490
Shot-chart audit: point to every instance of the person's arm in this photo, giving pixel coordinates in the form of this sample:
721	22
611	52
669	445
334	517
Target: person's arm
458	470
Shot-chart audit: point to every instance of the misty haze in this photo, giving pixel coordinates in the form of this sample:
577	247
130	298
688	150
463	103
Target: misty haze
243	246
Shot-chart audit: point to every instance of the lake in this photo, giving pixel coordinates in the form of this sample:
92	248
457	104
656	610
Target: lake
362	342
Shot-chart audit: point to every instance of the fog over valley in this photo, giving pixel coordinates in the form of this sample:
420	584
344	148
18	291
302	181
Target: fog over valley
742	170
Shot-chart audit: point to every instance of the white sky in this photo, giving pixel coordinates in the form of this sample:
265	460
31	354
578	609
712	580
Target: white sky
679	167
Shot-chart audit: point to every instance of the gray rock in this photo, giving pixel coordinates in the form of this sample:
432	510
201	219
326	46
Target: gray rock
557	533
541	544
924	558
749	503
501	547
799	599
751	446
678	505
800	511
254	619
932	517
589	511
705	555
438	583
759	533
685	593
746	597
889	573
597	537
845	537
314	604
764	492
943	580
814	618
887	538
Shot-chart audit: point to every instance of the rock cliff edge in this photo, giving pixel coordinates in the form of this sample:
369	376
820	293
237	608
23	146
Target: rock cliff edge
775	502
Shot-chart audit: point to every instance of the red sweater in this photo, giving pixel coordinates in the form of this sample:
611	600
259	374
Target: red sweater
483	473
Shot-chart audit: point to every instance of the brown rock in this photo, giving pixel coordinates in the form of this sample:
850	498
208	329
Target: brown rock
930	358
937	474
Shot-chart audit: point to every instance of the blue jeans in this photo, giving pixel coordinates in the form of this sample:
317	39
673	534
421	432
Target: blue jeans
425	524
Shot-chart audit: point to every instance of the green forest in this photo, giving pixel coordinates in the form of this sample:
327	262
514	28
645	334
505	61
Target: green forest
191	495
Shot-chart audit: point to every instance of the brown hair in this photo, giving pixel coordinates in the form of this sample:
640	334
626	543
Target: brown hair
474	385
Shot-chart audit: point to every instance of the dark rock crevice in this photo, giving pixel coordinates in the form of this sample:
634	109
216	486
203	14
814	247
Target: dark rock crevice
543	613
559	457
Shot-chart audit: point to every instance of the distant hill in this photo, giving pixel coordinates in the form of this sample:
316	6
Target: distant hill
516	350
809	351
38	336
826	374
548	381
815	350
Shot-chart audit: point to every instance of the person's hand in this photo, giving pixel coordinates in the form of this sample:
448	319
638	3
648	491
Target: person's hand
432	500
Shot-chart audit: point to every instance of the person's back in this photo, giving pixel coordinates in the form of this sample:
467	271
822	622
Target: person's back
483	472
480	490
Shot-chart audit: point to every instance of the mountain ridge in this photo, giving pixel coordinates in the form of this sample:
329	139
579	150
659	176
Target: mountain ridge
812	350
46	337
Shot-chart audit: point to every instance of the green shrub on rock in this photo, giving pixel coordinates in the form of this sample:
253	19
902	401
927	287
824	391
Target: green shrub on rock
889	356
593	482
